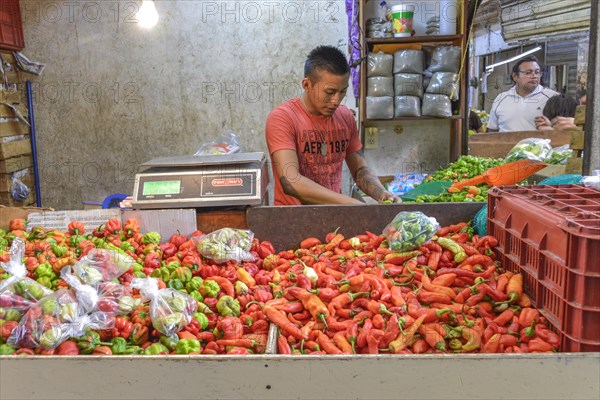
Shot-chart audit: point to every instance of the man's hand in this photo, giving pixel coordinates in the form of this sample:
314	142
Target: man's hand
389	198
560	123
542	123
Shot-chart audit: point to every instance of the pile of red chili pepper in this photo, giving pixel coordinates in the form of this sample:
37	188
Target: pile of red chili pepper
341	296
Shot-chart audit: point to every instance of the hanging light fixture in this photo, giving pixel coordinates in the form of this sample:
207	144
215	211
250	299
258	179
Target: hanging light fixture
147	15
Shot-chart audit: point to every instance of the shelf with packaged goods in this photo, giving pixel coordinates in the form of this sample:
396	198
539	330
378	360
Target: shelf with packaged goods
420	42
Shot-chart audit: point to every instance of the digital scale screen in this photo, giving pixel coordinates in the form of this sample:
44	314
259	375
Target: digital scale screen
158	188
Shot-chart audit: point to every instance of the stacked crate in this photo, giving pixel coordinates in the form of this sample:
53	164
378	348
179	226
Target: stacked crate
575	162
15	144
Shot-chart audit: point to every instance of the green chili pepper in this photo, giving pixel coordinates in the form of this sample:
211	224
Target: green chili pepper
228	306
187	346
44	269
156	349
132	350
137	267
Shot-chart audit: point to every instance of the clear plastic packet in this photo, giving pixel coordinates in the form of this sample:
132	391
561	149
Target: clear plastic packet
444	83
380	64
408	85
592	181
380	107
13	306
380	86
407	106
19	190
530	148
101	265
225	143
408	61
18	282
436	105
559	155
409	230
445	59
109	297
170	309
226	244
47	323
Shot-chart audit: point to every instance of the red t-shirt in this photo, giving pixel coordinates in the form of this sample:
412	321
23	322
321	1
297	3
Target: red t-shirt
290	126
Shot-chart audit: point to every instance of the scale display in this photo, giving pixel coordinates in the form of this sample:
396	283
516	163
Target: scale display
155	188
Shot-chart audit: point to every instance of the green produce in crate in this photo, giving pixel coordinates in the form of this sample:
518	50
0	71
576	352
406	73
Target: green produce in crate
184	274
156	349
170	323
51	337
187	346
175	284
118	345
89	341
10	314
151	238
197	296
469	194
44	269
464	168
6	350
170	342
209	289
202	320
228	306
161	273
194	284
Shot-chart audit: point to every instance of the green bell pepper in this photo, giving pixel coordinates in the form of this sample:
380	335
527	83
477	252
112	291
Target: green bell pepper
161	273
209	289
151	238
187	346
175	283
6	350
228	306
197	296
156	349
202	320
132	350
89	341
44	269
11	314
118	345
45	281
194	284
169	341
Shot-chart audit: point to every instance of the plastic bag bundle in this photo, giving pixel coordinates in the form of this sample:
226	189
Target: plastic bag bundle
18	282
444	83
379	86
379	28
409	230
380	64
445	59
19	190
530	148
109	297
564	179
380	107
101	265
226	244
433	26
408	85
480	221
407	106
408	61
225	143
13	306
593	180
49	322
436	105
559	155
170	310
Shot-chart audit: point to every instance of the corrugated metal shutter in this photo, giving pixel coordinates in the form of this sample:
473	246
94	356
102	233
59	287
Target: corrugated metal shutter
535	19
564	53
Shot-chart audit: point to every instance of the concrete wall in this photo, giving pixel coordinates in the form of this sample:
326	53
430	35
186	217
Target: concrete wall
114	95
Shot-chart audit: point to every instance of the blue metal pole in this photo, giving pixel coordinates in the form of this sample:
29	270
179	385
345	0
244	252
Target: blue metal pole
38	199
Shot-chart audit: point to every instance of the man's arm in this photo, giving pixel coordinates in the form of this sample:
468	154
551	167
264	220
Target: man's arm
286	167
366	180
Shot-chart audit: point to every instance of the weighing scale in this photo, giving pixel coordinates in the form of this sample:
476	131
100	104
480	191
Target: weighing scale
202	181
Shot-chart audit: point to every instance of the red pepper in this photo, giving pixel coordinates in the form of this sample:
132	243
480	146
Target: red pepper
113	225
74	228
361	340
529	316
373	340
538	345
122	328
231	327
547	335
391	332
68	348
504	318
327	344
492	345
283	347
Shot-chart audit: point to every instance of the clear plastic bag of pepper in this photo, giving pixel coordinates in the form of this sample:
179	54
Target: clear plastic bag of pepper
13	306
409	230
170	309
18	283
226	244
108	297
54	319
101	265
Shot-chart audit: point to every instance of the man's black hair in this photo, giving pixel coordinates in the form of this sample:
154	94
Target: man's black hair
516	67
560	105
326	58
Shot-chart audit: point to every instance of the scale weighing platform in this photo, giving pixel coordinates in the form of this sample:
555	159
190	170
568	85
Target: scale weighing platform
238	179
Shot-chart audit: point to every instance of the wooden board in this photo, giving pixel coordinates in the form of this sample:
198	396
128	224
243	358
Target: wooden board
6	112
580	115
577	139
15	164
7	200
574	166
11	97
13	128
16	148
498	144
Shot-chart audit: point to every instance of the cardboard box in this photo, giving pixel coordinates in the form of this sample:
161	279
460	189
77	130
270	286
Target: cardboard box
9	213
498	144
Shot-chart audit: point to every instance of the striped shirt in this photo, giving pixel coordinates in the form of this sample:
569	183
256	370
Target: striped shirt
512	112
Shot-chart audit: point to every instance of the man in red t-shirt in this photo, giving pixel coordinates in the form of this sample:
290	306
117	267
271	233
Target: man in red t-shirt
309	138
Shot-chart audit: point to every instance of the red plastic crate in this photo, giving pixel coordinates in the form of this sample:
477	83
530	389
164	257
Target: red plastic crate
551	234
